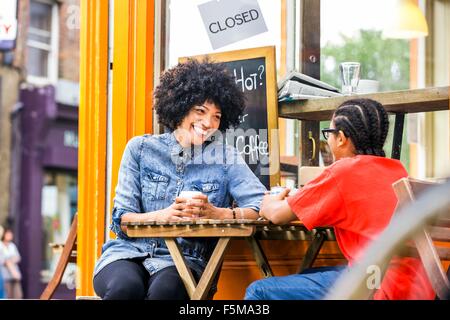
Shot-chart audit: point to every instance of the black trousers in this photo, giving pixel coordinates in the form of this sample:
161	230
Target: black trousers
129	280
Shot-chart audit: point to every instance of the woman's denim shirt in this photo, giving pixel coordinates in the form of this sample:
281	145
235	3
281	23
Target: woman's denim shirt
153	172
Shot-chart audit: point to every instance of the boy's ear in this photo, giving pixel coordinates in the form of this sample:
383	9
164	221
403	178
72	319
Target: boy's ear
341	139
345	142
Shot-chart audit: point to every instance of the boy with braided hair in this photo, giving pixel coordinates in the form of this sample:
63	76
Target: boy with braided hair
355	196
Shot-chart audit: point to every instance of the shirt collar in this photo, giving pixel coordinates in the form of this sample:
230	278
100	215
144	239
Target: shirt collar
176	148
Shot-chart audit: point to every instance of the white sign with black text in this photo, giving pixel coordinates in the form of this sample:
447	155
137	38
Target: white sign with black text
229	21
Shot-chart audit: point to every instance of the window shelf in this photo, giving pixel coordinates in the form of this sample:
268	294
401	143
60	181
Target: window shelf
405	101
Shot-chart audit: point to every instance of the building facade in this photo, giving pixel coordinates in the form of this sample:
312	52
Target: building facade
39	94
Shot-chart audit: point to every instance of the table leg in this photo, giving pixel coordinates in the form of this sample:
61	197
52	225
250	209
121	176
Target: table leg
180	263
200	291
204	285
260	257
313	250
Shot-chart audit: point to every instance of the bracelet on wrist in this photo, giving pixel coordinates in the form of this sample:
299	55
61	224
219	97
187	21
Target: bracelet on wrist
242	213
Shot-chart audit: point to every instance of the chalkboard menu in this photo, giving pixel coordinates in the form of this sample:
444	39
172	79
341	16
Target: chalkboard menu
257	135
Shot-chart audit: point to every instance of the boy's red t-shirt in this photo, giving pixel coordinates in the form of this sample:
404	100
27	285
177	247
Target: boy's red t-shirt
355	196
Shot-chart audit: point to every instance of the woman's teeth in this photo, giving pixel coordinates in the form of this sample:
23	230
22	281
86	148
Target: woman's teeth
200	131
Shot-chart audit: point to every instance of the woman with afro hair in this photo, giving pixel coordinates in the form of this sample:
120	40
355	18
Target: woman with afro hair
355	196
195	101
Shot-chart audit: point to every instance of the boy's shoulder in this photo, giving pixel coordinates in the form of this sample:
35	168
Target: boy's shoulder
352	164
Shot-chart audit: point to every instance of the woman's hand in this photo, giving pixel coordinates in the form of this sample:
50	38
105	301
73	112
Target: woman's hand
200	207
10	265
175	212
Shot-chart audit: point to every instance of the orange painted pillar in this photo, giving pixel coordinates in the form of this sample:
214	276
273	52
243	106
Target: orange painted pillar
92	128
132	75
131	108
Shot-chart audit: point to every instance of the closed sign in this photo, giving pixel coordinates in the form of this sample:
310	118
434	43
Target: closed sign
229	21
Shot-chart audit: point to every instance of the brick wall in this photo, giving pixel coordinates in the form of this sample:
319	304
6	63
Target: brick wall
9	84
23	22
69	39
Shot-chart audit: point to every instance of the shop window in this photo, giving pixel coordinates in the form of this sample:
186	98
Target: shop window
42	56
358	35
188	37
59	205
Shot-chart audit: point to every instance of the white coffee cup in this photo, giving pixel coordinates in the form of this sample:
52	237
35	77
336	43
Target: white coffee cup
189	194
368	86
277	190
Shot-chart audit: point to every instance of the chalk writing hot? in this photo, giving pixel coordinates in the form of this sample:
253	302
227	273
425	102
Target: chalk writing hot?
251	81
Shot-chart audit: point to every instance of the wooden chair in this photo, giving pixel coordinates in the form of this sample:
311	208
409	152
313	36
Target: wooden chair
432	242
69	254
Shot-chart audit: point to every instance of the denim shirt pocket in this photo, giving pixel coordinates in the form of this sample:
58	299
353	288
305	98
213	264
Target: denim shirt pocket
154	185
210	189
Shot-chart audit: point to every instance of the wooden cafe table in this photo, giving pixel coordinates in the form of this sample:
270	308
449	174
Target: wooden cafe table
225	230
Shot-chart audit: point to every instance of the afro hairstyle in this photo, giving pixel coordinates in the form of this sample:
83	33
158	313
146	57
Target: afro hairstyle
192	83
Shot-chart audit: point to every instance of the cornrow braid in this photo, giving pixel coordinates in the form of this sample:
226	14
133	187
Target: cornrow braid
365	122
354	120
375	132
384	122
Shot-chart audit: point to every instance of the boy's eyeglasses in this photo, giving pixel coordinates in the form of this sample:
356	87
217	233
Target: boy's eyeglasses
326	132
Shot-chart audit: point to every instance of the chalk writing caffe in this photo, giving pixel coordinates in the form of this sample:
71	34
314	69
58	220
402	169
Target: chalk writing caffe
231	22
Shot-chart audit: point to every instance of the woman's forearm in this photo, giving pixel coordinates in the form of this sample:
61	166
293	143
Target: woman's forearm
221	213
246	213
15	259
240	213
139	217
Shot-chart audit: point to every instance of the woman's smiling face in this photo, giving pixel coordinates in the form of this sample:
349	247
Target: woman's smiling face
200	123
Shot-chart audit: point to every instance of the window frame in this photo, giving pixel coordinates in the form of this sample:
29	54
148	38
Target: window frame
52	48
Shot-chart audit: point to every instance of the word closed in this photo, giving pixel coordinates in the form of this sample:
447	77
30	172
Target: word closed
231	22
